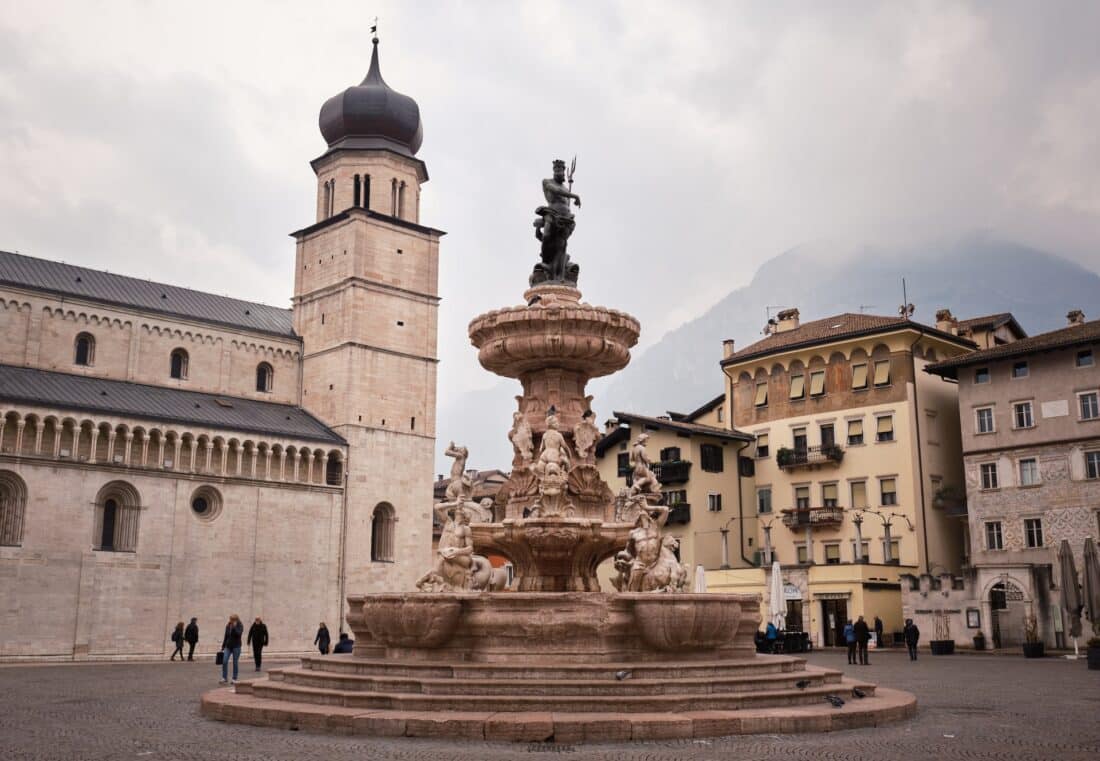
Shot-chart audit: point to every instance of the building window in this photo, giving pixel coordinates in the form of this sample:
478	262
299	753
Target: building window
623	464
882	372
13	505
761	399
1084	358
832	554
393	197
862	553
670	454
802	497
711	455
994	539
401	200
828	436
1029	472
859	495
366	191
800	439
764	500
1019	369
855	432
355	191
1033	532
206	503
714	503
981	375
178	364
895	551
762	445
985	419
382	528
265	375
1092	465
885	428
817	383
859	376
889	489
1090	405
829	495
803	555
798	386
1021	415
677	497
720	414
84	350
116	521
989	475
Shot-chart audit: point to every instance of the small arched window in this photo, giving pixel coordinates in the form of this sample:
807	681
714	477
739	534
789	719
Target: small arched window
393	197
13	503
382	526
178	365
334	471
401	200
355	191
366	191
85	349
117	509
265	377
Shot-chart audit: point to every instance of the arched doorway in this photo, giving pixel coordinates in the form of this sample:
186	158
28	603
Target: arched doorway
1008	609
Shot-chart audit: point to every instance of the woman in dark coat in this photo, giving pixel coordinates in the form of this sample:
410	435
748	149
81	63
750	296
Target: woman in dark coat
322	639
231	646
257	637
912	637
177	637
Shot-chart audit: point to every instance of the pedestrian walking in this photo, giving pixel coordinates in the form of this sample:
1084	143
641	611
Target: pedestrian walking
257	637
177	637
878	632
231	646
345	645
863	636
771	635
322	639
850	640
912	637
191	637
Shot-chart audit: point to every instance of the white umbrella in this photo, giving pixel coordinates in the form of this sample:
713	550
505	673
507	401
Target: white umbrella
778	609
700	579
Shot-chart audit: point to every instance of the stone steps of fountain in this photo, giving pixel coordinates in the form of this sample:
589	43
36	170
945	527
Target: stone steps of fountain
524	684
572	702
761	664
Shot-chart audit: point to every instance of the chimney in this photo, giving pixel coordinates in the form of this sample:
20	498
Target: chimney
727	348
787	320
610	425
947	322
1076	317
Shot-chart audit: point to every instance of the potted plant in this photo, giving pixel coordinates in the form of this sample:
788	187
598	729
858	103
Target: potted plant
1094	653
1033	646
979	641
942	644
948	497
784	456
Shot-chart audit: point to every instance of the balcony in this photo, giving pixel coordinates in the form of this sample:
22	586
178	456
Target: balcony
678	512
816	517
672	471
810	457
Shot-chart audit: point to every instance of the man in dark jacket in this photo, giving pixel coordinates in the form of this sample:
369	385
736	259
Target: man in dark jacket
345	645
257	637
191	637
912	637
878	631
863	636
231	646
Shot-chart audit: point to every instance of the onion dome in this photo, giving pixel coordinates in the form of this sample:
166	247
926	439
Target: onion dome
372	115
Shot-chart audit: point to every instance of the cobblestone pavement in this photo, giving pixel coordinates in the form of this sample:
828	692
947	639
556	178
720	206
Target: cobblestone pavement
971	707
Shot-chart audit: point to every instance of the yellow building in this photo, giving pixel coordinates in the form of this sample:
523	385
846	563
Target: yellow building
852	443
702	476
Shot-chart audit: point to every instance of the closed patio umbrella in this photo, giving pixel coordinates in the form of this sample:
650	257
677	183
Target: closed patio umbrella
1092	584
1071	592
778	609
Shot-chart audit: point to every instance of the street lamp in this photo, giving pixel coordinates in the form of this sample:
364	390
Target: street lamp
887	522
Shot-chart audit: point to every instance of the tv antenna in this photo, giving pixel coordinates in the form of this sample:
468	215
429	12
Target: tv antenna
769	326
906	309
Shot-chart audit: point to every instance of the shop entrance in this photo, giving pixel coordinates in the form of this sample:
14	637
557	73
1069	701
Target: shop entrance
834	614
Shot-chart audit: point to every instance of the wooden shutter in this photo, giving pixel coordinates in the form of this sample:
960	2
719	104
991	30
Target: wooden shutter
859	376
855	428
798	386
828	491
859	494
886	424
761	394
817	383
882	372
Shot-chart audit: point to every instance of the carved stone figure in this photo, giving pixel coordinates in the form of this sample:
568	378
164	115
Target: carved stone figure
485	578
454	560
554	452
461	487
553	227
585	436
553	499
649	564
521	438
645	481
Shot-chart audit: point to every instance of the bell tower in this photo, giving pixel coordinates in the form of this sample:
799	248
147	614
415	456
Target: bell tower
366	286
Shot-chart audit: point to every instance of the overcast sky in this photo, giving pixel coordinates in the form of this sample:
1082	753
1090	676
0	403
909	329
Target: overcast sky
171	140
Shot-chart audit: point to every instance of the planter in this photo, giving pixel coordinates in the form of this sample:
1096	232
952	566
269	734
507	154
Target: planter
1094	658
979	642
942	646
1033	649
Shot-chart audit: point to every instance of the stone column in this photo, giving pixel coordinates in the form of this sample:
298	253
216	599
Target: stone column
19	426
128	447
267	465
111	435
207	455
858	522
177	445
39	429
58	428
809	539
224	460
309	467
145	450
95	440
76	440
324	468
282	465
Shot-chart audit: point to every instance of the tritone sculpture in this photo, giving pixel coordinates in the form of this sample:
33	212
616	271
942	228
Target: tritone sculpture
554	657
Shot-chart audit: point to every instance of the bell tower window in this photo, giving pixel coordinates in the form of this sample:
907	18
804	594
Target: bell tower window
178	365
366	191
355	191
393	197
85	350
401	200
264	377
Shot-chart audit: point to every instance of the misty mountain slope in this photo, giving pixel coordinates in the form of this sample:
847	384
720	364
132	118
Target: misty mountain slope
972	277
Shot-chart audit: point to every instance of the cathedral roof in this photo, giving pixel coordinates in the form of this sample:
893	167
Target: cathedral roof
84	394
372	115
105	287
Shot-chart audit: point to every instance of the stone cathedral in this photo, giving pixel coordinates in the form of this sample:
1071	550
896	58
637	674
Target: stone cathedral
168	454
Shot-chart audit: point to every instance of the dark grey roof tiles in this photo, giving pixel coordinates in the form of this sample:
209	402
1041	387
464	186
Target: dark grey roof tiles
96	285
84	394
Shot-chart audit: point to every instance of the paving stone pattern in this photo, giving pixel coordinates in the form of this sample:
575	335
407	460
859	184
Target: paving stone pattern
970	707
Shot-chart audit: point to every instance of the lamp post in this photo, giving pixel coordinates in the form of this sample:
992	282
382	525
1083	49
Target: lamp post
887	522
857	520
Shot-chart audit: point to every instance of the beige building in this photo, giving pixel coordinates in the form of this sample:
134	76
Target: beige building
1030	419
700	469
853	441
166	453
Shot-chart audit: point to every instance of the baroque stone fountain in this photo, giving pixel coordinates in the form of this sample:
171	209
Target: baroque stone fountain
554	657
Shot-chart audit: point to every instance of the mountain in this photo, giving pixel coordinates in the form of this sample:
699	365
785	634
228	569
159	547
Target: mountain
974	276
